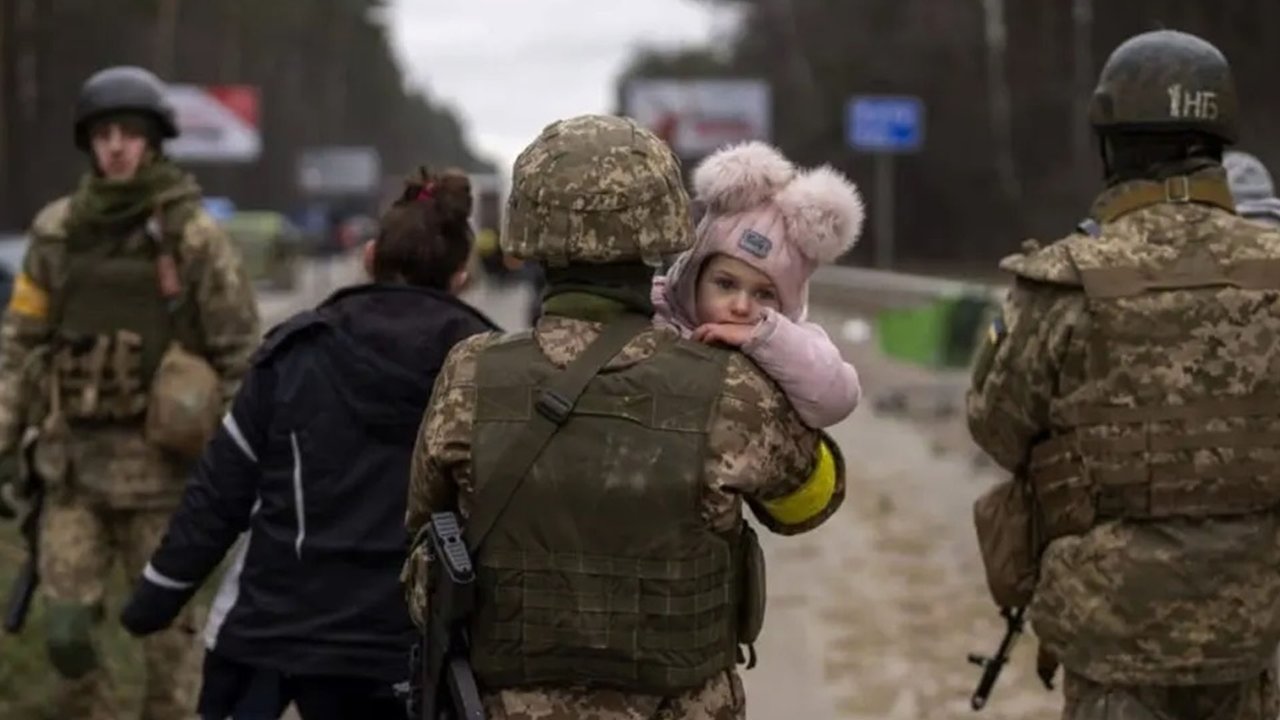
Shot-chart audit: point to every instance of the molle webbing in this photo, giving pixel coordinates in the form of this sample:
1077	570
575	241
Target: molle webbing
601	570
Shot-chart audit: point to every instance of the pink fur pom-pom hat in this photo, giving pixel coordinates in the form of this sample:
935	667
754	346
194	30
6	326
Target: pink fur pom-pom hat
781	220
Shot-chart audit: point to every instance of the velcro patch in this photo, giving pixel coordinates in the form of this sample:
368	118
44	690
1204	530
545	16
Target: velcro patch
756	244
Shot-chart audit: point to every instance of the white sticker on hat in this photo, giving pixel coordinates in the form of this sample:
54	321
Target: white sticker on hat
756	244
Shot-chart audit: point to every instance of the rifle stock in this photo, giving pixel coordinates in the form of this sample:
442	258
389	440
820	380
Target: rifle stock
991	666
20	595
24	585
448	685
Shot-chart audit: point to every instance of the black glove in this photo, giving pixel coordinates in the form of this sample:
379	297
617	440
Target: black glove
8	483
1046	667
152	608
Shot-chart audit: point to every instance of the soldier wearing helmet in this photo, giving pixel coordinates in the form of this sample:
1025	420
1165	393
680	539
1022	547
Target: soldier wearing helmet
130	326
1252	188
1130	384
601	463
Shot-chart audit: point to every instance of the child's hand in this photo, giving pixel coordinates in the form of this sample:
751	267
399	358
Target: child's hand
725	333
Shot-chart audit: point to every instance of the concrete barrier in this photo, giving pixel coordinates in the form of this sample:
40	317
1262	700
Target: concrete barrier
881	288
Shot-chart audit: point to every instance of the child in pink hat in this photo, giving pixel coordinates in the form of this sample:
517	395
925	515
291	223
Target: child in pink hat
745	283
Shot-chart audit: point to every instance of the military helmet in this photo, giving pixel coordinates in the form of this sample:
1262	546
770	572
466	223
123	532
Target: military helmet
596	189
1166	80
122	89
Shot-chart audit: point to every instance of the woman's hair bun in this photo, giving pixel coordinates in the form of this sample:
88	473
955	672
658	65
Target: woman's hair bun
449	190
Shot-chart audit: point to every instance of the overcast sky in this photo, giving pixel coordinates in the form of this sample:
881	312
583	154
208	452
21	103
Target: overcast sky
509	67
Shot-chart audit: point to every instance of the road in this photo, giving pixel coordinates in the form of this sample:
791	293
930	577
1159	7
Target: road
871	617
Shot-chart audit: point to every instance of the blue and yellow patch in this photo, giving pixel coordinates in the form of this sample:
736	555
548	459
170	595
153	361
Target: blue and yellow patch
996	333
997	330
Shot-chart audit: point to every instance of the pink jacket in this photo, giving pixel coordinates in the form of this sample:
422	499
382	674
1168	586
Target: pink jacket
799	356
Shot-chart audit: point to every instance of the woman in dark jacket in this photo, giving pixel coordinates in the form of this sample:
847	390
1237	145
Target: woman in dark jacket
309	470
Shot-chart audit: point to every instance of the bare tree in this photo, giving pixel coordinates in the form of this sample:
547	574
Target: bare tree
999	97
232	46
308	82
5	6
1082	67
1009	149
166	34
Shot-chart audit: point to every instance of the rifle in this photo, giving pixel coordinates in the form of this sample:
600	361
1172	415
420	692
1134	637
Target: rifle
991	666
448	689
24	585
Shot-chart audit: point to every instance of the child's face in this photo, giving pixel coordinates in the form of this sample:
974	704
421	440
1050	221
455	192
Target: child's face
731	291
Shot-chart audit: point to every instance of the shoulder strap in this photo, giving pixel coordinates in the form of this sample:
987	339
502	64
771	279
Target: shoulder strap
554	405
166	229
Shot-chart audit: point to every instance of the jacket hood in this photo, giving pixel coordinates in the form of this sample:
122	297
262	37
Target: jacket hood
388	345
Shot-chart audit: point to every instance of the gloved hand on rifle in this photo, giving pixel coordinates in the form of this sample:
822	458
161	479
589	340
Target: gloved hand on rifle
9	470
1046	666
155	603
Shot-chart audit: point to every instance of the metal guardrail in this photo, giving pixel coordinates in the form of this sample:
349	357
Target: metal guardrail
884	288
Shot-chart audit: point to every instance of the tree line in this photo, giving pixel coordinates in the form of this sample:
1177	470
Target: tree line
1008	152
325	70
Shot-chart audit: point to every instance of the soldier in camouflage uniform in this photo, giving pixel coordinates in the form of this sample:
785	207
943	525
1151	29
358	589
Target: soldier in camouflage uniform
1133	381
1252	188
115	274
611	584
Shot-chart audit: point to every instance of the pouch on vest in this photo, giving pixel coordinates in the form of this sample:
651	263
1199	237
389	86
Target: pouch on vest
51	456
1004	519
752	601
100	376
185	403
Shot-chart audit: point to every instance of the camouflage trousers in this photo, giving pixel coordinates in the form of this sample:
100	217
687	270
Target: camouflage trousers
78	545
721	698
1253	699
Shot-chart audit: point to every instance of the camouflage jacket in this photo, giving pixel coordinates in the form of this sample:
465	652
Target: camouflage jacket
1179	600
115	462
759	449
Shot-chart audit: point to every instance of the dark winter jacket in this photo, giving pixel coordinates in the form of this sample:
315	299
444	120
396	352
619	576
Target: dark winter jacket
309	472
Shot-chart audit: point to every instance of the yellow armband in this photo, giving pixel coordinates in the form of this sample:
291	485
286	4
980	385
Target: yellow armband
810	499
28	298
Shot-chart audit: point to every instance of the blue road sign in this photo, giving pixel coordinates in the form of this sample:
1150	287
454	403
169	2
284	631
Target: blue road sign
885	123
221	208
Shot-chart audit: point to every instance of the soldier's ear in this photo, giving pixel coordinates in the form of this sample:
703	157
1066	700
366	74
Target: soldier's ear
366	257
459	281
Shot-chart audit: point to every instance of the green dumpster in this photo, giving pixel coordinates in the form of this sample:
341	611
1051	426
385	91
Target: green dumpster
270	246
940	334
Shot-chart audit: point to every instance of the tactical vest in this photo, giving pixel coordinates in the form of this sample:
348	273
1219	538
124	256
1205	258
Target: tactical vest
602	570
112	321
1179	411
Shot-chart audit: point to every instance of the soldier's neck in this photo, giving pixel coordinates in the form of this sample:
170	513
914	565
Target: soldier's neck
582	305
1207	185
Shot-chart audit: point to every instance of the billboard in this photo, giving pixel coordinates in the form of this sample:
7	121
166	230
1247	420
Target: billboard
216	123
340	170
696	117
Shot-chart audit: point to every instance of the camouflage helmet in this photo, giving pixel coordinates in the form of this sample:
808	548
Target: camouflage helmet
1166	80
596	189
122	89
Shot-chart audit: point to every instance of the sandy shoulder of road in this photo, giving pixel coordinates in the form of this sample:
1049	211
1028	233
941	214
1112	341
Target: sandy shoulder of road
872	615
